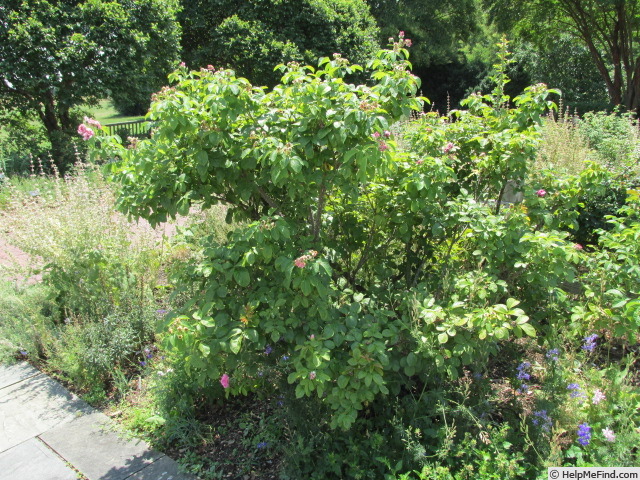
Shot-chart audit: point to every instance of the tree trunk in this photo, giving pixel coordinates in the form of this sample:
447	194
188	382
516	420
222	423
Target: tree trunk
58	127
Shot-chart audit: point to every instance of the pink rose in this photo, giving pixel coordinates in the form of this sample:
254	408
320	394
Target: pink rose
92	122
448	147
224	380
85	131
541	193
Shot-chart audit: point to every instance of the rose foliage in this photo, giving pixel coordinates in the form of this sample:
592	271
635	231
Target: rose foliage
367	263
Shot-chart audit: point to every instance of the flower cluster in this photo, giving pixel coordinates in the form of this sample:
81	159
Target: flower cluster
523	374
382	146
552	355
584	434
598	396
86	131
402	42
590	343
576	392
542	419
302	260
449	148
608	434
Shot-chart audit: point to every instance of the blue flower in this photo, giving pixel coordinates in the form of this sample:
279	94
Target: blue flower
268	350
262	445
552	354
576	392
584	434
590	343
522	371
542	419
285	358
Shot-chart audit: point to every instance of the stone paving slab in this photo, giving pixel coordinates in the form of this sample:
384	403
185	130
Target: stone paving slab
16	373
33	406
33	460
91	445
162	469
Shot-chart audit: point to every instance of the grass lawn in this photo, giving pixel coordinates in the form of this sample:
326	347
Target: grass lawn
106	113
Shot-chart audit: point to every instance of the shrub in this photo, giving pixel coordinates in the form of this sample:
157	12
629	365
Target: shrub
434	272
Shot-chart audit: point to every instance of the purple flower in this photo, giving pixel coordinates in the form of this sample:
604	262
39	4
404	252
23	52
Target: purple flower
285	358
143	363
542	419
576	392
552	355
590	343
522	371
161	311
524	388
268	350
584	434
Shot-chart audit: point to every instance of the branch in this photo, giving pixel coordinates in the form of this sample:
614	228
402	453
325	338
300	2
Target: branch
270	201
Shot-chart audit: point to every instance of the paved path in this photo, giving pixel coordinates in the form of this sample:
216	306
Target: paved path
47	433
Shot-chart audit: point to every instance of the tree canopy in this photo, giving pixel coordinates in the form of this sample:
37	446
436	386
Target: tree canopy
252	37
608	29
58	54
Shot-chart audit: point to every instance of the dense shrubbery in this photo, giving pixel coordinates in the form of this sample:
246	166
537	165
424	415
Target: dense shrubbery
391	298
365	272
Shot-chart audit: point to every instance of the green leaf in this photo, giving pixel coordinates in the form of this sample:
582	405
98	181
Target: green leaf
241	276
443	338
235	343
528	329
412	359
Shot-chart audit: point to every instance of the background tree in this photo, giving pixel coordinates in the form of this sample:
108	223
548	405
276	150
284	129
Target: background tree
58	54
252	37
452	47
607	29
